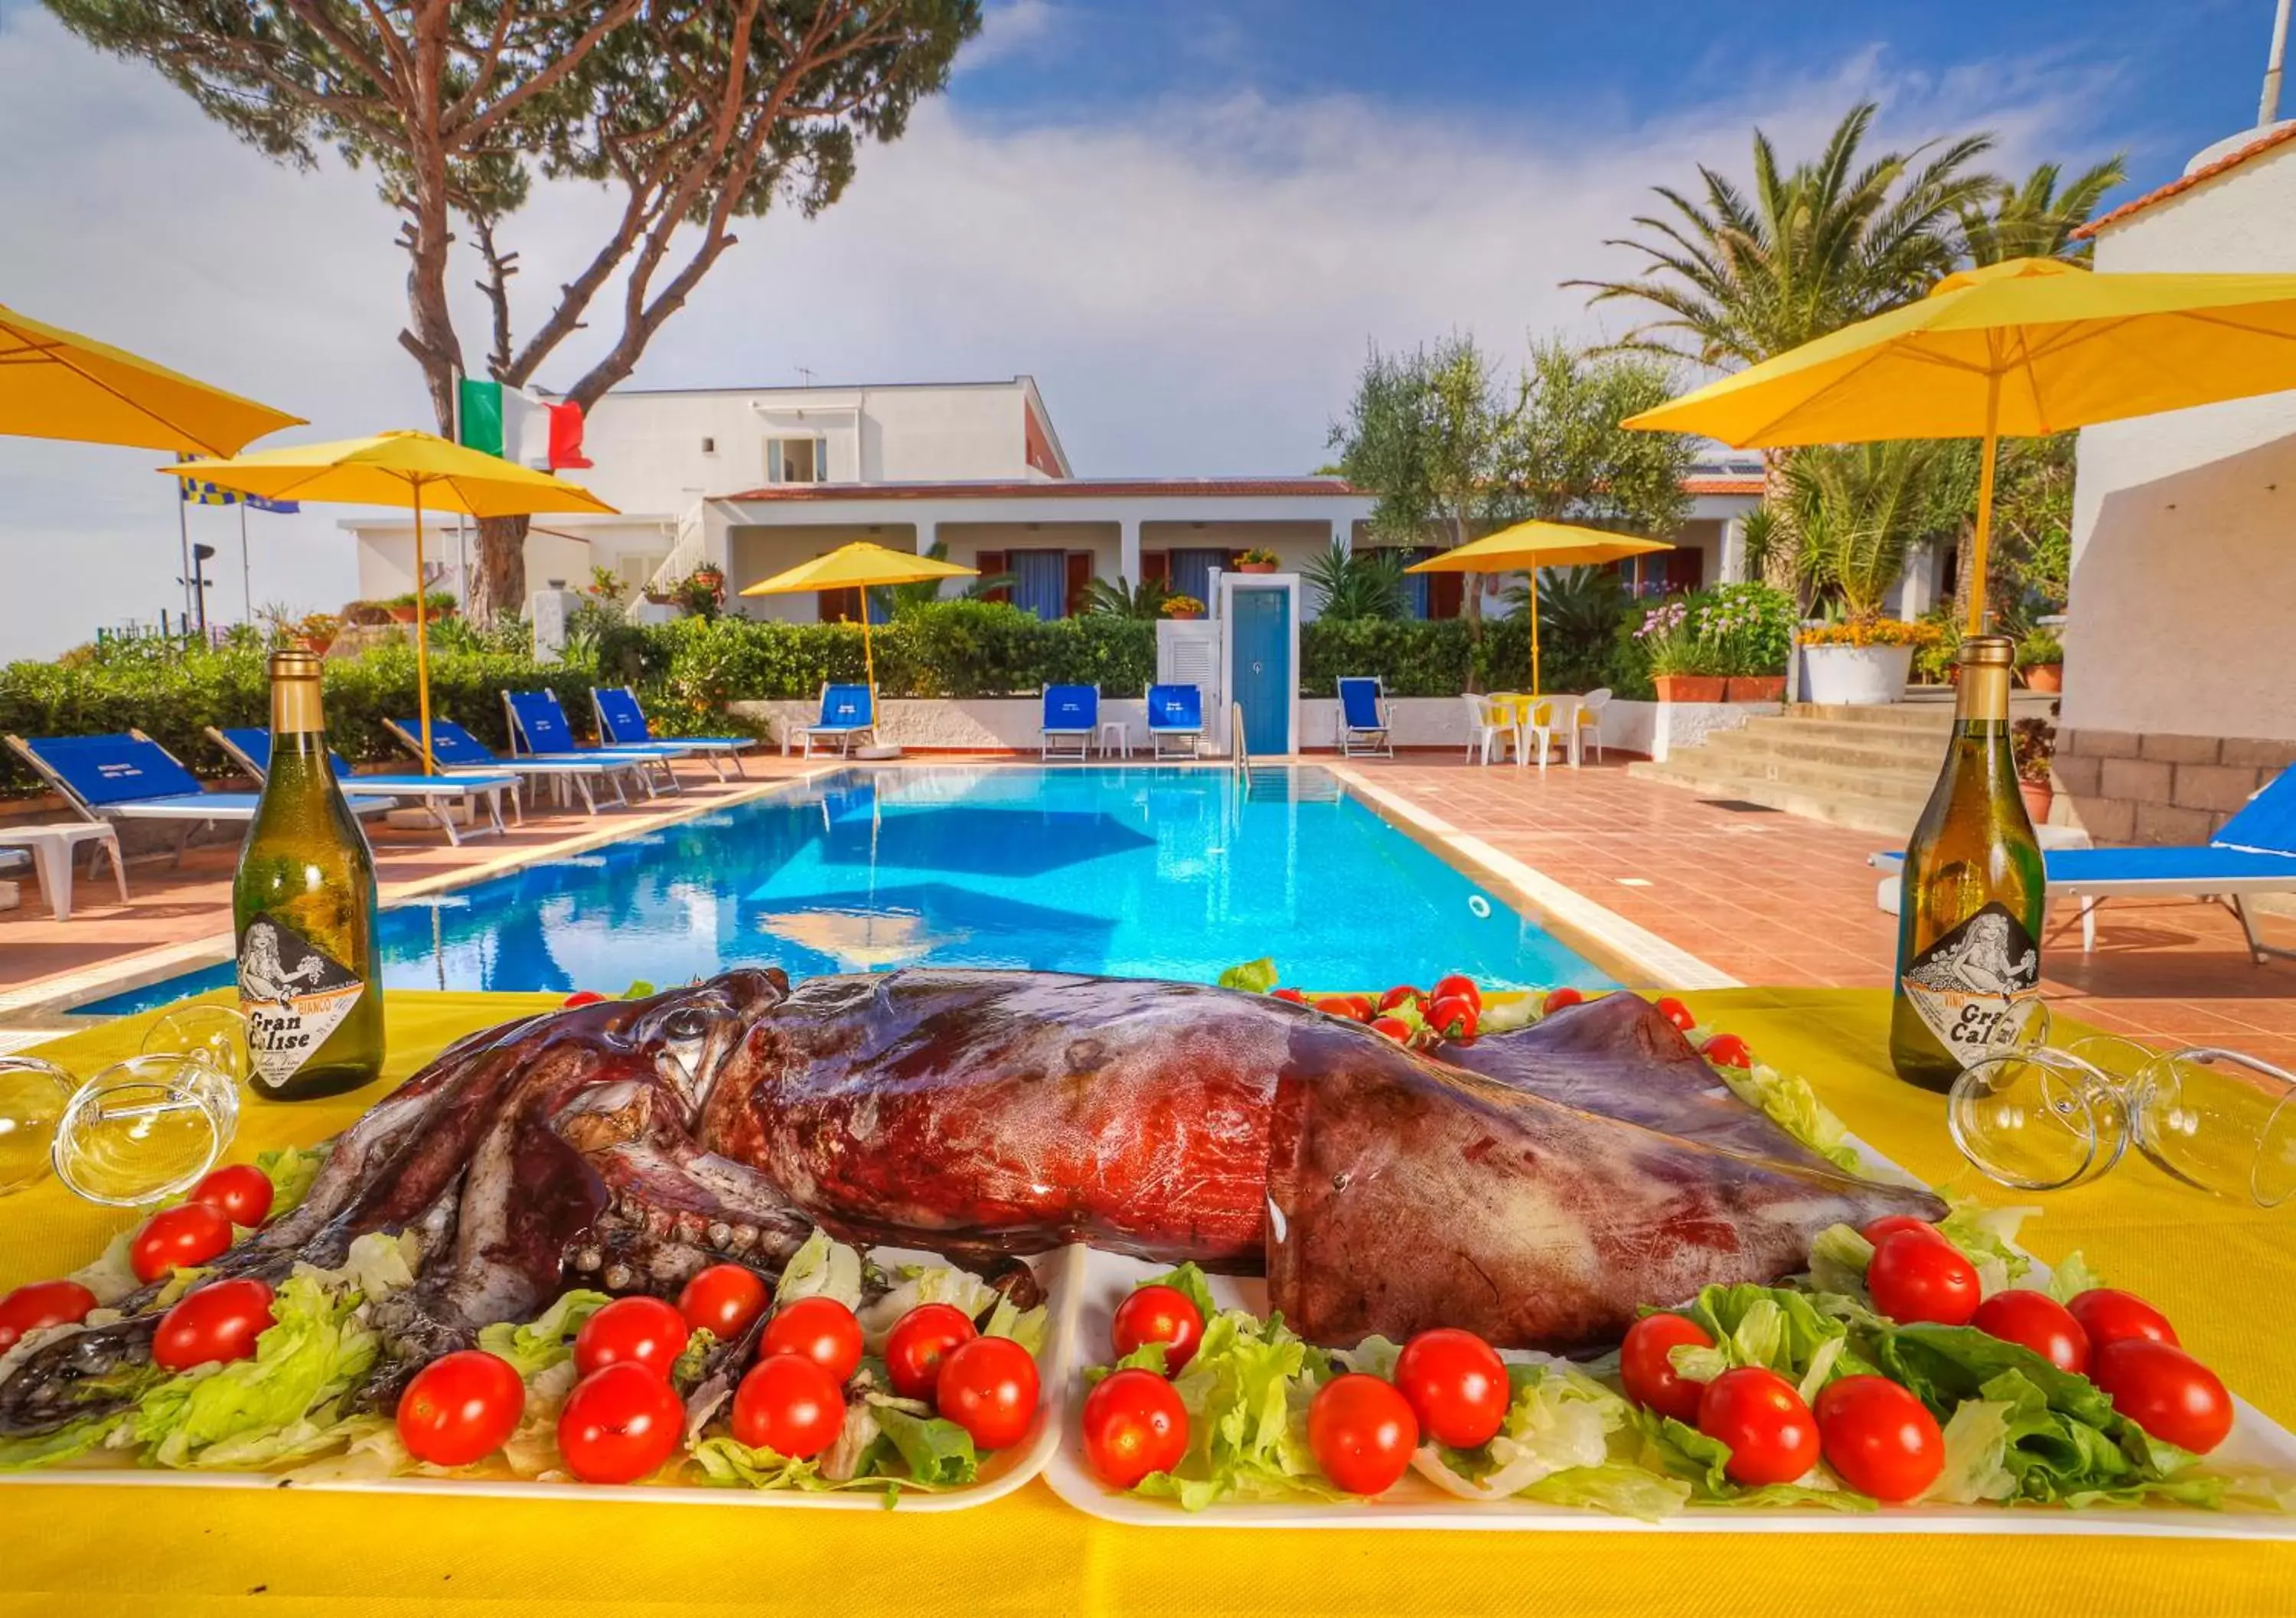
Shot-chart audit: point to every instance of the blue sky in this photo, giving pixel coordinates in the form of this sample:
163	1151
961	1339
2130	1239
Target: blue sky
1185	219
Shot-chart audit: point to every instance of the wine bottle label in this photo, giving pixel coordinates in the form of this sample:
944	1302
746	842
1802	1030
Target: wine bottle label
1964	985
294	995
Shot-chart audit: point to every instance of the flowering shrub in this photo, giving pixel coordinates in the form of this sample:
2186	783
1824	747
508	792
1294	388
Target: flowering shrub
1673	640
1173	605
1873	632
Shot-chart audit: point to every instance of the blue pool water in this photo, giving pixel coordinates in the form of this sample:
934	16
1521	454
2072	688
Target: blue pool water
1163	873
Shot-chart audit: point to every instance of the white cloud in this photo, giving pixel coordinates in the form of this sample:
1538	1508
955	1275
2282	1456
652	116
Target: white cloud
1192	284
1016	28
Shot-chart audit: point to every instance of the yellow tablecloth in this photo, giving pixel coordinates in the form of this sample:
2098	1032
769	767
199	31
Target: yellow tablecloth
2226	1274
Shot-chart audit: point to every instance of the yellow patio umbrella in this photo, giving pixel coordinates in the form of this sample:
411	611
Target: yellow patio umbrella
858	567
1529	547
2025	347
57	384
403	468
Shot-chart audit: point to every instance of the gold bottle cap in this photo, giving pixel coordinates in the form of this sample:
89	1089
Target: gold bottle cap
1989	651
295	663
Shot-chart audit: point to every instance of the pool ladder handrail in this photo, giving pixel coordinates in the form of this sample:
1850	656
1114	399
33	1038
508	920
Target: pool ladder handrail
1239	751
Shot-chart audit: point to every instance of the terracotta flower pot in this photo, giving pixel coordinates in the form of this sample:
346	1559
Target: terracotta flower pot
2038	795
1185	614
2045	676
1756	688
1256	567
1691	687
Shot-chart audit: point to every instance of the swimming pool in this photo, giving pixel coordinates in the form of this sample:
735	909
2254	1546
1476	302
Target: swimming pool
1171	873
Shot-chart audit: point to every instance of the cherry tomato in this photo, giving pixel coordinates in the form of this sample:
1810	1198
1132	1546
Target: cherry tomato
1456	1384
1649	1375
722	1299
1453	1016
988	1387
241	1194
1918	1277
1772	1435
42	1304
1879	1437
1402	994
1362	1432
918	1343
638	1331
179	1238
1878	1231
790	1405
621	1423
1354	1007
1297	997
461	1408
2165	1391
1557	999
1392	1028
1458	986
1134	1424
1675	1011
581	996
2109	1316
2036	1321
218	1322
1159	1314
822	1330
1727	1050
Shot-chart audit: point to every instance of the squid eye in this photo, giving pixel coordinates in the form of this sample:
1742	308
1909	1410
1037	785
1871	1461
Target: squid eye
687	1023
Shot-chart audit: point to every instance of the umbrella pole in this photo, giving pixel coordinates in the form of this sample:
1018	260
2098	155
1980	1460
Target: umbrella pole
1977	590
868	656
422	637
1533	625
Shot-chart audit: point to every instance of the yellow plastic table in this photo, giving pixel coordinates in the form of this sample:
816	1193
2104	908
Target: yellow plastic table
2226	1274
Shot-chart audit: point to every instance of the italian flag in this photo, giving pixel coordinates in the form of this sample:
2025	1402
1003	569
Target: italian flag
519	427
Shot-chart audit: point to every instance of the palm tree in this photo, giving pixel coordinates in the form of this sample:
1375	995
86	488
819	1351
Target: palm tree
1853	513
1352	585
1740	276
888	602
1125	599
2035	221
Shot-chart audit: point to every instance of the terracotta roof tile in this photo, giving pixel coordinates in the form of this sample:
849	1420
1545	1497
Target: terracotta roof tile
2230	160
1055	489
1726	485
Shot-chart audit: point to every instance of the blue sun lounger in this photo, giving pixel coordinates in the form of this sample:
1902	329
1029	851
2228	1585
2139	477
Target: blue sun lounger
1363	718
622	723
1071	714
1175	720
845	717
539	729
2254	853
457	752
251	747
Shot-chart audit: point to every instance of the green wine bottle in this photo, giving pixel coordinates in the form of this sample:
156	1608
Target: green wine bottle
303	903
1969	915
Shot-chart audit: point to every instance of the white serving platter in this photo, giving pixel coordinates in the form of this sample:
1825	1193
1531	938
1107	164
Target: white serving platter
2257	1442
1059	1273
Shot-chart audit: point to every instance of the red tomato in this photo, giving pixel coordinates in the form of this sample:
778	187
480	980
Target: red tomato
1134	1424
1362	1432
638	1331
1675	1011
918	1343
1557	999
42	1304
179	1238
1453	1016
1918	1277
1402	994
988	1387
1772	1437
2036	1321
1879	1437
1392	1028
2165	1391
1297	997
1458	986
1159	1314
790	1405
2109	1315
218	1322
1650	1377
241	1194
1354	1007
822	1330
1878	1231
620	1423
1727	1050
1456	1384
581	996
722	1299
461	1408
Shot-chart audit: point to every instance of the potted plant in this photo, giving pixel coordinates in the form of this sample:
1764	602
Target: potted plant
1686	666
1183	607
435	605
2033	743
1862	662
2041	659
316	631
1257	561
1750	627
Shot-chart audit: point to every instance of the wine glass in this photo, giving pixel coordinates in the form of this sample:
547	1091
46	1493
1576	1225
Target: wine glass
215	1033
2039	1119
146	1128
2221	1121
33	1096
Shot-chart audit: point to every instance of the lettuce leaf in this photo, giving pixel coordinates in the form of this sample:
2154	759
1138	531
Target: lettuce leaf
291	1170
109	1275
1790	1103
937	1451
1620	1488
730	1464
1774	1327
1189	1282
545	1341
1246	1392
940	1284
821	1268
1561	1420
1252	977
2071	1277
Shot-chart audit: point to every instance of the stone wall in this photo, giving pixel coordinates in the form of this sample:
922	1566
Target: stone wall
2121	787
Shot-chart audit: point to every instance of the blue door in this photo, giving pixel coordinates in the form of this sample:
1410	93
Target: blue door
1260	677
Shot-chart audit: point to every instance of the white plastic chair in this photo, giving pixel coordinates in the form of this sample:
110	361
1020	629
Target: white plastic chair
1489	728
1589	718
1539	721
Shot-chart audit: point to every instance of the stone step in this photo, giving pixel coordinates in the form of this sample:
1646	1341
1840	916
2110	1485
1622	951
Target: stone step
1897	786
1920	761
1889	819
1877	716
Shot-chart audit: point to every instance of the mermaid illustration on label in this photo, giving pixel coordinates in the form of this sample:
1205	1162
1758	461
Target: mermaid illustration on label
263	974
1982	957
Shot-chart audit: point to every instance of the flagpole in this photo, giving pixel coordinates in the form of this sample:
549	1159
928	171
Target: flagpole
246	570
184	540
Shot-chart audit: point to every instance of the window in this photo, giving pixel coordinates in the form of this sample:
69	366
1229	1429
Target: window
796	460
636	567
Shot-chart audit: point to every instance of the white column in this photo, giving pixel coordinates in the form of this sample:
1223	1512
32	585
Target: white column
928	535
1732	562
1127	550
1343	534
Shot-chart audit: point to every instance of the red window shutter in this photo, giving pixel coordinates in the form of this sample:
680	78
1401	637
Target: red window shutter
1080	581
993	562
1685	569
835	606
1156	565
1444	594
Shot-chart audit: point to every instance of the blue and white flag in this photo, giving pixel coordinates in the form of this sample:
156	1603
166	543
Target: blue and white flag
199	493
